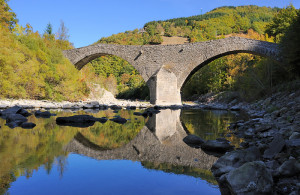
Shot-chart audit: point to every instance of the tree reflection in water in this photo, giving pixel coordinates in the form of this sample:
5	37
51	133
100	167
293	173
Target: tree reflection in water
156	142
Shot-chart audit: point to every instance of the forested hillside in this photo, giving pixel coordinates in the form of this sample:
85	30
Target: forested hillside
252	76
32	65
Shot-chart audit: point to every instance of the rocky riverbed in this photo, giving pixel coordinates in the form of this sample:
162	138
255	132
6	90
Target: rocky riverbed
268	160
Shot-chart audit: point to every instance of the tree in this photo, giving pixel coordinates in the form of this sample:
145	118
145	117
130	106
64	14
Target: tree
281	22
63	32
48	30
7	16
290	46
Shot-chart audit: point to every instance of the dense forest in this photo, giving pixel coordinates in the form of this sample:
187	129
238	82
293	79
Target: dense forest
32	65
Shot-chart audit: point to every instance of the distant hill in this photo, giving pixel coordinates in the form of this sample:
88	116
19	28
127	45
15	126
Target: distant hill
247	21
211	25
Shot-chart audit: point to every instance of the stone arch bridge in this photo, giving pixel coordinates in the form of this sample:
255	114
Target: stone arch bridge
165	68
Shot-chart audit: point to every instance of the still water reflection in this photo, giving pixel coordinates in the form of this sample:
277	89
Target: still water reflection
143	156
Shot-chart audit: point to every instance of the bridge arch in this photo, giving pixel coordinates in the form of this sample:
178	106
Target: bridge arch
165	68
81	56
229	46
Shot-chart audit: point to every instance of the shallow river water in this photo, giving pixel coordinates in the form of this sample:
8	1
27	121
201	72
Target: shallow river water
142	156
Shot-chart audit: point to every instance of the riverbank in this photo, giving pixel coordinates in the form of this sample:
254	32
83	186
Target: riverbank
268	161
93	104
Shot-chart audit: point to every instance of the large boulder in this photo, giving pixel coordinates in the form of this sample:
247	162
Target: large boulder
76	121
274	147
15	120
102	119
138	113
250	178
119	120
289	168
8	111
193	140
46	114
24	112
235	159
219	146
293	147
27	125
91	105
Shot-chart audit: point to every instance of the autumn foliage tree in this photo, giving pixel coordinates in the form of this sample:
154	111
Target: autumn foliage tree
7	16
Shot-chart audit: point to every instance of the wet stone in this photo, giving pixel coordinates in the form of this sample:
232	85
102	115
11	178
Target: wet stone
28	125
295	135
16	118
8	111
193	140
102	119
24	112
274	147
40	114
76	121
119	120
13	125
235	159
289	168
250	178
137	113
217	146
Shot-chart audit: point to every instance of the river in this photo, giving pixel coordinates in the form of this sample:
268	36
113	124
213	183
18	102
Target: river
142	156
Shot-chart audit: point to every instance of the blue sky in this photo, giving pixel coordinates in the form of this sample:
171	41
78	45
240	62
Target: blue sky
89	20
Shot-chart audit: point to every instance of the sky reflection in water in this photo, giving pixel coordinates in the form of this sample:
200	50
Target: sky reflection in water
88	176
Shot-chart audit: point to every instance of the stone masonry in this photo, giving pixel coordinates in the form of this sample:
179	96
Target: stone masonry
165	68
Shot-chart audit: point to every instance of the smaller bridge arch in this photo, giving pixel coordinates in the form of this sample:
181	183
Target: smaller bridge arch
165	68
215	49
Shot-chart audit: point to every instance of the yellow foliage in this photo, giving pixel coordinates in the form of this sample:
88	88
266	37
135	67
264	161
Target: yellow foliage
33	67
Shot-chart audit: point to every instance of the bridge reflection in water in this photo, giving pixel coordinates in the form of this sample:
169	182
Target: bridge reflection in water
159	141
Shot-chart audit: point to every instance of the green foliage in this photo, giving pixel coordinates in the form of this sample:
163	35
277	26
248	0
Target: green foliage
209	125
111	135
290	46
119	77
33	67
48	29
220	21
281	22
222	74
134	37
